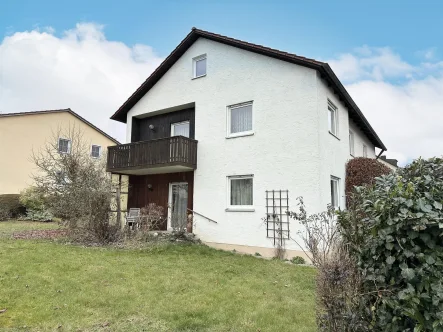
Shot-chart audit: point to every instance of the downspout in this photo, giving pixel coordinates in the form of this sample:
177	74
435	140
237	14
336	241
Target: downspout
380	154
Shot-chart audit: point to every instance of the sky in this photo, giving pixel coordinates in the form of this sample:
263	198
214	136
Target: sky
91	55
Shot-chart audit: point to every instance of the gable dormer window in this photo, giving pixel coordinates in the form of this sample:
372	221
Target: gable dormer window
199	66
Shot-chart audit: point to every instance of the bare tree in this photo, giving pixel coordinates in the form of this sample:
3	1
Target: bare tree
320	233
75	185
338	280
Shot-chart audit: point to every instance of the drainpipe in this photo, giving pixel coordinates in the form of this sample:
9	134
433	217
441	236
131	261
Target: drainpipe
380	154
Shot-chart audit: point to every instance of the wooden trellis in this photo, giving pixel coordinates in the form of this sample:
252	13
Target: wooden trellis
277	220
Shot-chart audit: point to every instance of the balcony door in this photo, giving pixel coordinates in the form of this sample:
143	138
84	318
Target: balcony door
179	152
177	207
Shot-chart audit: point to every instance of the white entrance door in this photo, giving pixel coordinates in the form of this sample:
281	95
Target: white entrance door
178	203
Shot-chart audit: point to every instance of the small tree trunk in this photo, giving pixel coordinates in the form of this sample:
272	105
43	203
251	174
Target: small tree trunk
119	209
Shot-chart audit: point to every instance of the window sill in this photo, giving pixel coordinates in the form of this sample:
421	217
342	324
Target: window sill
246	133
234	209
334	135
194	78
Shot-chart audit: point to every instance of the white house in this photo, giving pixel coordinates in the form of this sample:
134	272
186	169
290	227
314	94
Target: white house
221	121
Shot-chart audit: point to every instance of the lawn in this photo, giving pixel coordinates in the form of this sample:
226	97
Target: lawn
46	285
7	228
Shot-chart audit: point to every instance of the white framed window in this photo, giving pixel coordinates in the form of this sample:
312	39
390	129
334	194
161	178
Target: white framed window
365	151
180	129
240	192
96	151
239	120
199	66
335	192
64	145
351	143
332	119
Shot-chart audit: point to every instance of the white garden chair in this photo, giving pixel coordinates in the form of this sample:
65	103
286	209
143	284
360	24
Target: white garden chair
133	218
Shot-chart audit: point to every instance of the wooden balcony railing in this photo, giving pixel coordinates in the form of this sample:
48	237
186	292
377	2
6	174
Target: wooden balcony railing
169	151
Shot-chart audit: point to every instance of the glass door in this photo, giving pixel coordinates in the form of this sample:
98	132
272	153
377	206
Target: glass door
178	148
178	204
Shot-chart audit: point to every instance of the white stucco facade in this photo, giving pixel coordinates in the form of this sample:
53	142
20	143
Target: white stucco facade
290	149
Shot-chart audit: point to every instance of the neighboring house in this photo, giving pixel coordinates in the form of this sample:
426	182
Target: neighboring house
391	163
221	123
23	133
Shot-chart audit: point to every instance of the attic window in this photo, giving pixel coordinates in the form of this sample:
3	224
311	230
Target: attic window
199	66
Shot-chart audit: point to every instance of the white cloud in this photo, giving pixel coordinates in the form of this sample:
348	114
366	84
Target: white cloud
428	54
375	63
403	102
81	69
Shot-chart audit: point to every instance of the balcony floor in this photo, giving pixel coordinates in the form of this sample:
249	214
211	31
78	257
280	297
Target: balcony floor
153	170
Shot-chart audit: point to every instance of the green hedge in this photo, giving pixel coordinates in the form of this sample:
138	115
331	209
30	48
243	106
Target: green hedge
11	204
394	230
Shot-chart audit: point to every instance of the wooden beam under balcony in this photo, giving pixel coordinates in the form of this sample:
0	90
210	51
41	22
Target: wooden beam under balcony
164	155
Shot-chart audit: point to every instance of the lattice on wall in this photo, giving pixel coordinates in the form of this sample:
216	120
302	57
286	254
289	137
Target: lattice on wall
277	220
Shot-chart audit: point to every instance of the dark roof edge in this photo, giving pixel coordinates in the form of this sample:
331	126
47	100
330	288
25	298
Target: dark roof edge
120	114
351	104
323	68
67	110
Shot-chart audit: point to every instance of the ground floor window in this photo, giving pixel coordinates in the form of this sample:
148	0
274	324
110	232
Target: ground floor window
240	191
335	192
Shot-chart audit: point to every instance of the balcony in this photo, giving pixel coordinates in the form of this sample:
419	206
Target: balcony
164	155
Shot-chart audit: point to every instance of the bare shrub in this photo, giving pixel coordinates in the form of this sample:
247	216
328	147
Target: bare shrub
279	252
338	282
152	217
76	187
4	214
279	240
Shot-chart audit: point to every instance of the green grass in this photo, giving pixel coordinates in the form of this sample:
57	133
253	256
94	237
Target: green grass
46	285
7	228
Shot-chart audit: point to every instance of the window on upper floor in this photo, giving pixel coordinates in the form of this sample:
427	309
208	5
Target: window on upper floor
239	120
332	119
64	145
365	151
351	143
240	192
199	66
96	151
335	192
180	129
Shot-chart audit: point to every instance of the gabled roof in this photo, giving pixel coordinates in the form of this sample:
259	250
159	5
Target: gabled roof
67	110
323	68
